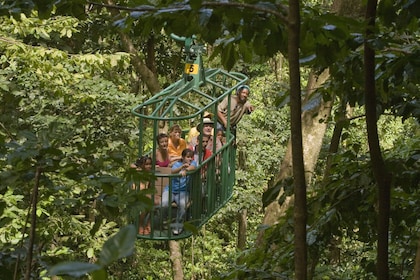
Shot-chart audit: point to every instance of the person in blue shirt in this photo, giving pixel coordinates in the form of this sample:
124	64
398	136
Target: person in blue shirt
180	185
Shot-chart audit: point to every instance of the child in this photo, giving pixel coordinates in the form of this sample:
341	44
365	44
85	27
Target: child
206	153
144	163
180	193
220	138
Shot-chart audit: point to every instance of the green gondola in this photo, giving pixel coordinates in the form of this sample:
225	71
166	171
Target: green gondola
186	102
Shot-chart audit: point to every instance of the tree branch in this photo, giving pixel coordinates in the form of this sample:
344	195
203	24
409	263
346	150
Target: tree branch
32	232
281	13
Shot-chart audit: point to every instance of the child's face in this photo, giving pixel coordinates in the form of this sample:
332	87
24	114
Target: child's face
148	165
188	158
205	142
219	134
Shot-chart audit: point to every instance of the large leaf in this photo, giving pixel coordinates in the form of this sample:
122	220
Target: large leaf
75	269
228	57
118	246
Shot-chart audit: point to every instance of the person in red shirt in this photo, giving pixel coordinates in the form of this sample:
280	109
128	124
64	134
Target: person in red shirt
205	153
162	153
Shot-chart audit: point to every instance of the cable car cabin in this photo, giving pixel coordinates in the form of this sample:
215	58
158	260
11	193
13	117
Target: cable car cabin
179	213
185	200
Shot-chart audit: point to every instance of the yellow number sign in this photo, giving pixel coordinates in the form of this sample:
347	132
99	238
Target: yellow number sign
191	69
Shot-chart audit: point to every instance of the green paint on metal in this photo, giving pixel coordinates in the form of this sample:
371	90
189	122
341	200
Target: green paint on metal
186	102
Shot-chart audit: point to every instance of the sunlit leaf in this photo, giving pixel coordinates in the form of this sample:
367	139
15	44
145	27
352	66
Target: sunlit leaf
118	246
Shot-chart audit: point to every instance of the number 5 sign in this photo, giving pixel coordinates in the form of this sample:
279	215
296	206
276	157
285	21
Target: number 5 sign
191	69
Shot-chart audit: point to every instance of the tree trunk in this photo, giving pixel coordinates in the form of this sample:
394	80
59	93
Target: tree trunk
32	232
314	124
147	75
151	54
299	184
417	263
242	229
380	172
313	129
149	78
176	259
335	140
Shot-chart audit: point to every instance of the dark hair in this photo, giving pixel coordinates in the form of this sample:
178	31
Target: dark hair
241	87
141	161
187	152
161	136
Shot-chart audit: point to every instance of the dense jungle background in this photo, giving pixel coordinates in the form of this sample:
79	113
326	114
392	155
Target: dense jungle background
71	71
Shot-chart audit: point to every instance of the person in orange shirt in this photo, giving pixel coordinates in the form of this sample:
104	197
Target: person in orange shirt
176	144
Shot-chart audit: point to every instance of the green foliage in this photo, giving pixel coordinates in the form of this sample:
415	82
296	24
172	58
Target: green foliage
342	214
44	8
397	58
118	246
37	31
343	211
327	38
69	113
71	116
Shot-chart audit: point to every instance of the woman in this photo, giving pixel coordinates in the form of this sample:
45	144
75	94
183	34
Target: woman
176	144
162	154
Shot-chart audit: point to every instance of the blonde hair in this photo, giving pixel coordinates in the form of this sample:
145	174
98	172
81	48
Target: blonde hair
192	134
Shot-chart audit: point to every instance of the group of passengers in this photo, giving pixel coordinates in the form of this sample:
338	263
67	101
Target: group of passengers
173	151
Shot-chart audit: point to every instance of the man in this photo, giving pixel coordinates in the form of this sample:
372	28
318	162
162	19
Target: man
206	129
206	126
239	105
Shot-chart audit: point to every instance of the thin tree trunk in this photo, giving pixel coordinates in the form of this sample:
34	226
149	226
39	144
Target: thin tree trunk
149	78
299	184
147	75
176	259
382	176
417	263
335	141
242	229
32	233
151	54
